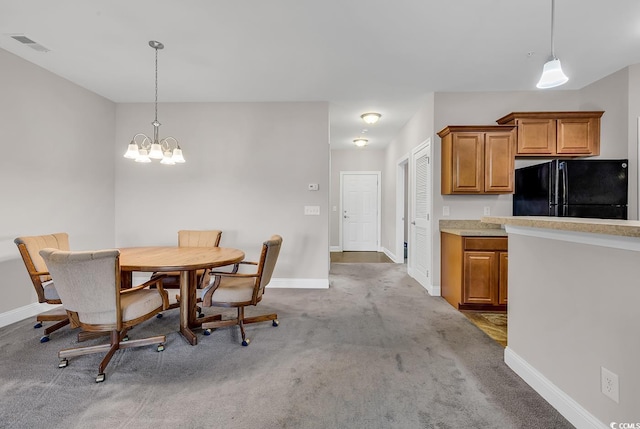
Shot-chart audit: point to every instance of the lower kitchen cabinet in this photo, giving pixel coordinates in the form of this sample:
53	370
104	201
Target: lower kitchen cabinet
474	272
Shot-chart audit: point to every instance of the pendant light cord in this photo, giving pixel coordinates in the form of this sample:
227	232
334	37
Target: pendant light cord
157	80
553	52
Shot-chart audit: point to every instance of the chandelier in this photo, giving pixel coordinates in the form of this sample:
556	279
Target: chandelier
142	148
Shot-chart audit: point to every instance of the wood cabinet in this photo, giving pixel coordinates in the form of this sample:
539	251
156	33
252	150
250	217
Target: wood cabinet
477	159
474	272
556	134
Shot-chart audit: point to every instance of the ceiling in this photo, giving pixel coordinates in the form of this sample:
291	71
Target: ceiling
358	55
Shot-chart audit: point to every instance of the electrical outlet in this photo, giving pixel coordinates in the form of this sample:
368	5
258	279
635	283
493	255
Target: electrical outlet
487	211
445	210
312	210
609	384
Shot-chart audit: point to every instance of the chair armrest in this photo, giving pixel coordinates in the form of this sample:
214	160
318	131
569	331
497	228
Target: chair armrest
245	275
208	291
236	266
158	282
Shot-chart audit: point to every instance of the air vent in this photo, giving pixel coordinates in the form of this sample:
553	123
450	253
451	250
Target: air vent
30	43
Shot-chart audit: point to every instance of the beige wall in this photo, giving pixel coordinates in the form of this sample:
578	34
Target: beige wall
361	159
247	173
573	309
417	130
56	167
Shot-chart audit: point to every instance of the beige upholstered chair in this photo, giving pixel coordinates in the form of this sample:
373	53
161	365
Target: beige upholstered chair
39	274
88	283
239	289
189	238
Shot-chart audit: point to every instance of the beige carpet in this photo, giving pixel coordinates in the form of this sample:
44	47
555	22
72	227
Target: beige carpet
372	351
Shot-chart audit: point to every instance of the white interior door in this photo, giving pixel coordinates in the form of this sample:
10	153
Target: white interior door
419	258
360	200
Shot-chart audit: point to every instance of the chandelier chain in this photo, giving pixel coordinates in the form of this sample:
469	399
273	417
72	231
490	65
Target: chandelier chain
156	84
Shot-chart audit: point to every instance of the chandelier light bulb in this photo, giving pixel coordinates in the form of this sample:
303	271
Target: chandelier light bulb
156	151
132	151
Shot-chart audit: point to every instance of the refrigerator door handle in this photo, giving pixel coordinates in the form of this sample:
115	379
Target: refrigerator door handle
562	180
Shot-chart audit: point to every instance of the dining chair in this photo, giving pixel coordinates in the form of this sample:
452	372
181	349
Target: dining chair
189	238
29	246
239	289
88	283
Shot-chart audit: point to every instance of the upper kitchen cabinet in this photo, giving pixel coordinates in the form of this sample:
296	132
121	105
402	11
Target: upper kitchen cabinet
477	159
556	134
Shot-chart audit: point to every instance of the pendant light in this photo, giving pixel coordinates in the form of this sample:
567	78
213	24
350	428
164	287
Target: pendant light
142	148
552	74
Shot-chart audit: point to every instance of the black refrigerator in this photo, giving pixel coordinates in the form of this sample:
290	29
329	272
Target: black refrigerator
593	188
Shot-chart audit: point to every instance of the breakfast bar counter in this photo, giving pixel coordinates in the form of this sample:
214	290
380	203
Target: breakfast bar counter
573	313
624	228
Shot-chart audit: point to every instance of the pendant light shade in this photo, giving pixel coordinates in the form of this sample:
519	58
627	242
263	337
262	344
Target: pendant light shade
552	74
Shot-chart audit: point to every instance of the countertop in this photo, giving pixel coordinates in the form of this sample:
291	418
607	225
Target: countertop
471	228
624	228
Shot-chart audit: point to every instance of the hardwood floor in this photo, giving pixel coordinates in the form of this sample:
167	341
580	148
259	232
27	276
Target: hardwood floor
360	257
492	324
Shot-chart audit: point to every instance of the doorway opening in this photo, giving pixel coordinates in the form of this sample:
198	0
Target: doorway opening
402	210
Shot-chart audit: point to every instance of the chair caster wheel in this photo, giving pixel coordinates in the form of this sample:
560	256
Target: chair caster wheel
246	342
44	339
100	378
63	363
160	347
275	322
207	332
159	316
37	325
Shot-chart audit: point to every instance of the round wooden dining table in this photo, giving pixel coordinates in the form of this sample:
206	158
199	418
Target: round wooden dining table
187	260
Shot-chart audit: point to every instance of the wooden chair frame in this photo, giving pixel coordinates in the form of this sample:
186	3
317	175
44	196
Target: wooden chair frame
117	332
213	322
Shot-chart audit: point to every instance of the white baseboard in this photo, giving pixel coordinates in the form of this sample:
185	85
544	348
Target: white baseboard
569	408
392	256
335	249
434	290
31	310
299	283
21	313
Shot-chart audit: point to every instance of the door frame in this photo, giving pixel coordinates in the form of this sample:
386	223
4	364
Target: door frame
402	167
429	286
378	208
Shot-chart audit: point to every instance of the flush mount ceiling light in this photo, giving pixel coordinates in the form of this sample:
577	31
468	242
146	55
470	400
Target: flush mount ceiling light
371	117
552	74
360	142
142	148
